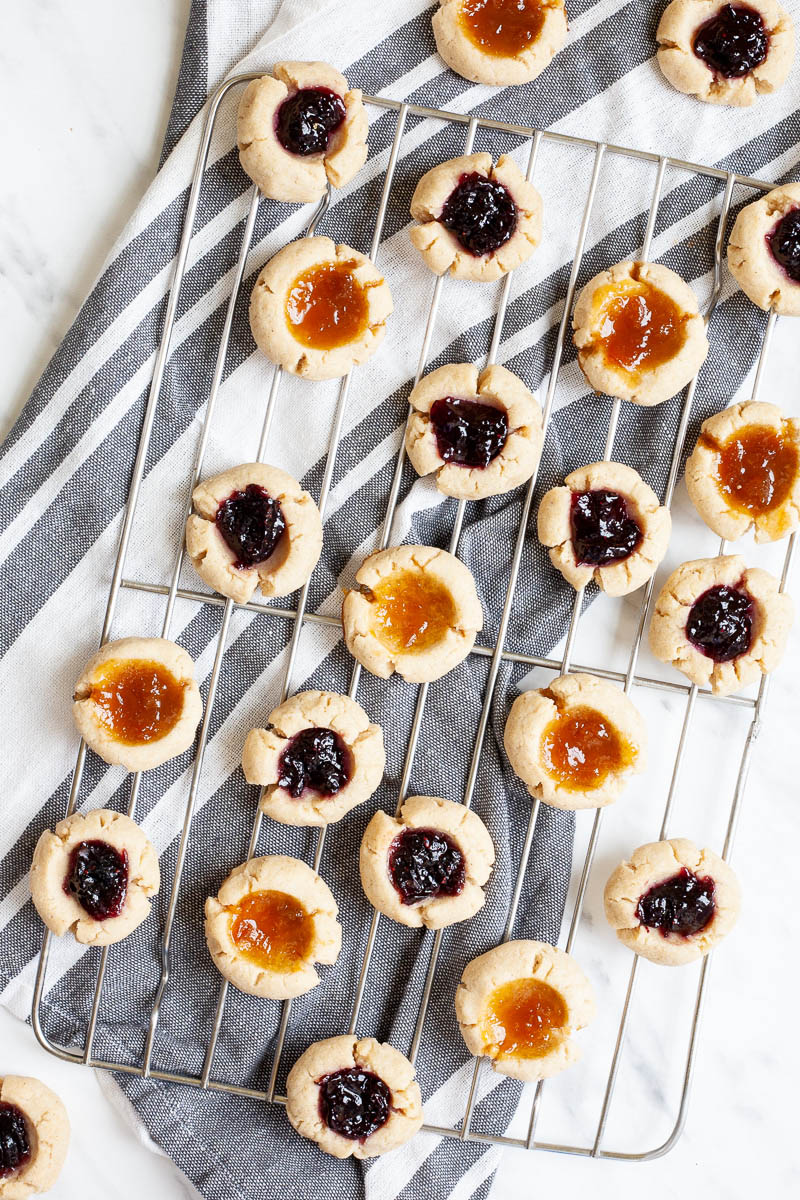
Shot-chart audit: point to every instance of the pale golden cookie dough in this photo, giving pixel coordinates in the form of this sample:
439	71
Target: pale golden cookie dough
442	250
533	711
415	666
772	620
99	736
522	960
656	863
468	58
280	174
269	322
689	73
292	561
758	274
47	1128
60	910
340	1054
703	485
496	386
273	873
647	386
462	826
311	710
625	574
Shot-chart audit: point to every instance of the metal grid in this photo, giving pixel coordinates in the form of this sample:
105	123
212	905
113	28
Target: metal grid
497	653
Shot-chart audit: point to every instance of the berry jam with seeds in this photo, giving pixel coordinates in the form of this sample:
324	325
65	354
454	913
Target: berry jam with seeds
306	120
603	530
720	623
480	213
784	244
468	433
316	759
733	42
15	1146
251	524
98	879
683	904
354	1103
425	864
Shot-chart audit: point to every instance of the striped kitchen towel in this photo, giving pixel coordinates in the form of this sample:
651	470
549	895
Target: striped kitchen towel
65	469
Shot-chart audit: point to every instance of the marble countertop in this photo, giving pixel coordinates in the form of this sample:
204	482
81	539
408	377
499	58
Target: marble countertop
94	120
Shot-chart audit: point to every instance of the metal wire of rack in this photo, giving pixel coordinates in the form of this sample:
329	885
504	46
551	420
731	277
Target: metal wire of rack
497	654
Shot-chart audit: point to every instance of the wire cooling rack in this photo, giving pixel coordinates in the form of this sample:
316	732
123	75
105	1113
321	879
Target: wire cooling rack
630	678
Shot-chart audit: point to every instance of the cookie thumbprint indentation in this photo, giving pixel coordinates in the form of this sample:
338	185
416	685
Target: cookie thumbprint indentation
502	28
581	748
306	120
720	623
316	759
354	1103
413	611
15	1146
251	523
757	468
480	213
273	930
468	433
733	42
98	879
603	529
425	864
138	701
683	904
526	1018
641	327
327	307
784	244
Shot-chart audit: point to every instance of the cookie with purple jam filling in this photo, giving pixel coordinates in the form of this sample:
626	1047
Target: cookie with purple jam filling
764	250
34	1137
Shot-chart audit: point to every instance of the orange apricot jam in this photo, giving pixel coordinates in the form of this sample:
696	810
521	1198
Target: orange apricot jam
640	327
138	701
273	930
525	1018
502	28
581	748
327	307
412	611
756	470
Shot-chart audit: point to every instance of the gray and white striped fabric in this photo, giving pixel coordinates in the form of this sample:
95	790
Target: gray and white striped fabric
65	470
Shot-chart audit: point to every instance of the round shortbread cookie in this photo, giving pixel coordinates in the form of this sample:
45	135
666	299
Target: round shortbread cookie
34	1132
471	55
751	256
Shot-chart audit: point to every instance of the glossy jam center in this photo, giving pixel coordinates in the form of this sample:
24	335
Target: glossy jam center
327	307
503	28
425	863
97	877
468	433
251	524
306	120
640	327
316	759
525	1018
603	528
784	244
733	41
273	930
15	1146
480	213
756	470
683	904
412	611
354	1103
581	748
138	701
720	623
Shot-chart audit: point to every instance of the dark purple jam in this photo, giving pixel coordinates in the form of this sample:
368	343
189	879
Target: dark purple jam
424	864
354	1103
98	879
720	623
784	244
733	41
251	524
481	213
317	759
683	904
603	530
15	1146
306	120
468	433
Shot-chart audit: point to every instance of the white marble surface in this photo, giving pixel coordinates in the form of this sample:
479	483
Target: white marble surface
93	79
